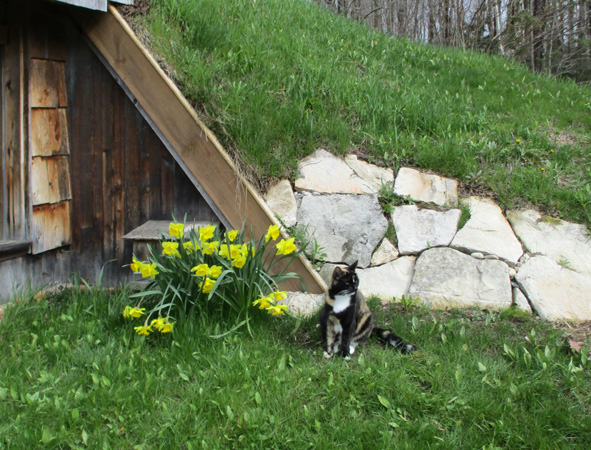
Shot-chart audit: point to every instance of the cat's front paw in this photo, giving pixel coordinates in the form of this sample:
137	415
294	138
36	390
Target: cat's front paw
327	355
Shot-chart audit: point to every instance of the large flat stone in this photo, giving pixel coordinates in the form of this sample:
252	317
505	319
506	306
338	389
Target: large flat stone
488	231
348	227
282	202
564	242
419	229
303	304
325	173
555	292
446	278
374	176
388	281
422	187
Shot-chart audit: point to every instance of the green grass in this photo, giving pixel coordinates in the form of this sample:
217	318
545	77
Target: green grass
276	80
74	374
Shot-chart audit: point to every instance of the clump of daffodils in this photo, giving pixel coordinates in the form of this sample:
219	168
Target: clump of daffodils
210	270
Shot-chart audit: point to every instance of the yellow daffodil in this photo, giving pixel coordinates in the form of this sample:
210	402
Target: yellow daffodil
286	247
171	249
209	248
201	270
158	323
143	330
135	311
272	233
231	235
263	303
239	261
126	312
167	327
215	271
136	265
190	246
149	270
206	233
235	251
224	251
207	285
276	310
279	295
176	230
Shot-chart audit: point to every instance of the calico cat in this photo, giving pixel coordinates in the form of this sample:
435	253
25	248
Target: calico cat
346	321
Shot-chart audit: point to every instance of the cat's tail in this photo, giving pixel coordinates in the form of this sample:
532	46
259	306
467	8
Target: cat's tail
389	338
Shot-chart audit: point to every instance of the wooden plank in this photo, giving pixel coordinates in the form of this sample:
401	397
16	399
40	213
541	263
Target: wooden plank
39	181
50	180
43	87
187	138
51	226
63	177
60	80
49	132
152	229
14	122
13	249
46	34
100	5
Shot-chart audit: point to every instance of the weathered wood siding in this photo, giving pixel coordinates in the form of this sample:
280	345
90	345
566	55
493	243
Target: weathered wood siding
13	202
121	173
85	167
48	136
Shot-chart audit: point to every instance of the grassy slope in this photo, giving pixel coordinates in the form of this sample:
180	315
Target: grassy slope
278	79
74	374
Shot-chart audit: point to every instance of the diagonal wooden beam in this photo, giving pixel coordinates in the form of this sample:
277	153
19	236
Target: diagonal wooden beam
190	142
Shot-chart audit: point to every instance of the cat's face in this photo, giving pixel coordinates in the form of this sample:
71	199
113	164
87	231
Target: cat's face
345	280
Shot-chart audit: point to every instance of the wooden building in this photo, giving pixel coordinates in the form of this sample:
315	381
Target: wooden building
96	140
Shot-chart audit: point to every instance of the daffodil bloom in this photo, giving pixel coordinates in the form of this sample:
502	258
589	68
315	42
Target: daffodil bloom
231	235
279	295
276	310
224	251
189	246
136	265
263	302
235	251
135	311
286	247
158	323
201	270
167	327
209	248
239	261
143	330
272	233
215	271
176	230
207	285
126	312
206	233
171	249
149	270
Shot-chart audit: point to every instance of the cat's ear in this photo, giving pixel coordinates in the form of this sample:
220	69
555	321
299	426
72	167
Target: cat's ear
353	266
337	272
